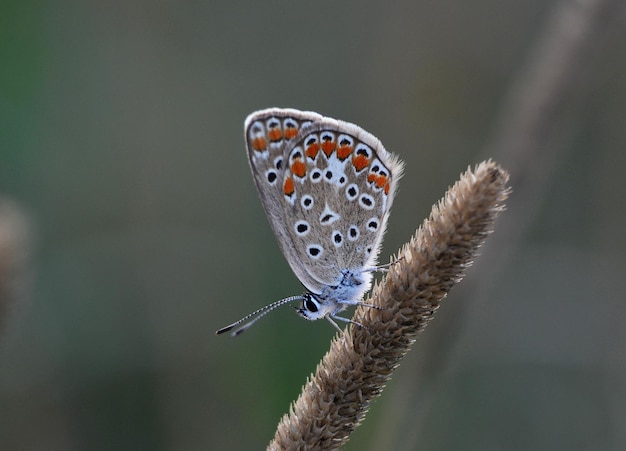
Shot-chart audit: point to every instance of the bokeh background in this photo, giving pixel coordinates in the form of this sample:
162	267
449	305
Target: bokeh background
130	228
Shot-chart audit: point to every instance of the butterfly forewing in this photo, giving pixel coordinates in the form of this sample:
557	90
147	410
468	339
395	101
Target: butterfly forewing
270	135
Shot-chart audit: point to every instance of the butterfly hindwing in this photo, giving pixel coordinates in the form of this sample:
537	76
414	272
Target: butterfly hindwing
343	183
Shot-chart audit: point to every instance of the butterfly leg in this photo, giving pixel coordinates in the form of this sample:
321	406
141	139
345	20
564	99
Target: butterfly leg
382	268
364	304
330	320
377	307
341	318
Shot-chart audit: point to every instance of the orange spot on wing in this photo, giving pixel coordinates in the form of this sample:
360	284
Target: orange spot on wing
288	187
371	177
359	162
275	134
290	132
381	181
344	152
298	168
387	188
259	144
328	147
312	150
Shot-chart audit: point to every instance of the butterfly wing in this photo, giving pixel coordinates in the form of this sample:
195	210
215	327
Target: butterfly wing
327	187
270	135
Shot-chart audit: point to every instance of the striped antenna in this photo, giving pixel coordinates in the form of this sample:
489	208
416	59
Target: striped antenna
253	317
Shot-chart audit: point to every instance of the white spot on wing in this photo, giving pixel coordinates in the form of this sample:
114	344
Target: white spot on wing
373	224
352	191
307	202
328	216
302	228
315	251
366	201
353	233
337	238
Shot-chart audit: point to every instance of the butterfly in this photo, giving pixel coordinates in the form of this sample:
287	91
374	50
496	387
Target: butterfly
327	187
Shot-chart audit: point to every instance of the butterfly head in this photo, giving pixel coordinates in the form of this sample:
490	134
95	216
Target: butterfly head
313	308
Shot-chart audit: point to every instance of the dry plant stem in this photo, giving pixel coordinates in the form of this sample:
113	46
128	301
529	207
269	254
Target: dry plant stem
360	360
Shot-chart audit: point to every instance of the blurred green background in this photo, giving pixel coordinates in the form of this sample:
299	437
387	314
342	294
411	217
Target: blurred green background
121	145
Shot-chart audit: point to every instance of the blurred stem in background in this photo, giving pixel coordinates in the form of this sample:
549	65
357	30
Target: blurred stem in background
15	243
529	136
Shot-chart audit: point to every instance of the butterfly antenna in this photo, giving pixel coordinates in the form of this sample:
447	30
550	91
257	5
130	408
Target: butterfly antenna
253	317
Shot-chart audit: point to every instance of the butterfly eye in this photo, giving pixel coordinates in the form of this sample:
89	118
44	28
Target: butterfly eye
310	305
